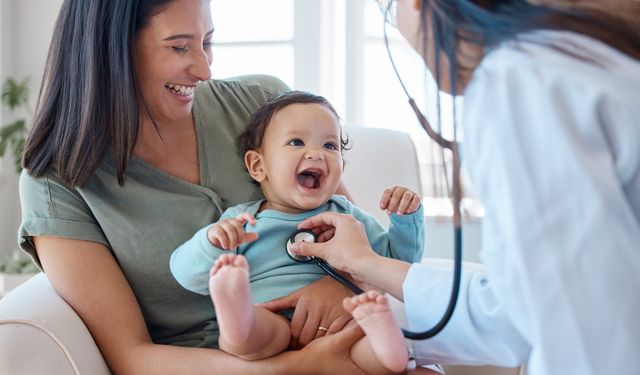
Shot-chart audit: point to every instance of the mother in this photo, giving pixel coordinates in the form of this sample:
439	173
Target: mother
132	150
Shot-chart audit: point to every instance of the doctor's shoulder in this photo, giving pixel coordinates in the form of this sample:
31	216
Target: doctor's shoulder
564	53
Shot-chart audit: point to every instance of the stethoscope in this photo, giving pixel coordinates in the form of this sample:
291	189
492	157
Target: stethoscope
304	235
308	236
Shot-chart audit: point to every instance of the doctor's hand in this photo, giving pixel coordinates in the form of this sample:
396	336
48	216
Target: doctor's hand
348	250
317	305
399	200
228	234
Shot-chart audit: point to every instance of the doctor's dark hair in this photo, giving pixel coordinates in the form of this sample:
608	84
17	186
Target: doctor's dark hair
251	138
88	100
490	22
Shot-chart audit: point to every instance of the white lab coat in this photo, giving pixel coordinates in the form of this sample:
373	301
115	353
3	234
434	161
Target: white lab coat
552	143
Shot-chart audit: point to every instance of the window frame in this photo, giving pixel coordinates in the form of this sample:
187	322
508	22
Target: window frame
329	39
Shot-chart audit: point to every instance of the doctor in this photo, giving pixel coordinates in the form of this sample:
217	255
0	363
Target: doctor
552	141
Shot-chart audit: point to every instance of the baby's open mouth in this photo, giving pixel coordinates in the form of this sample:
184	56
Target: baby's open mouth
310	178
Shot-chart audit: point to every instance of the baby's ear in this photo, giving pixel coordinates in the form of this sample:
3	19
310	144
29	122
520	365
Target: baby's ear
253	161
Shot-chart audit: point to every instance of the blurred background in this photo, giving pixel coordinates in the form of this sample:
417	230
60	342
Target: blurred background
25	32
331	47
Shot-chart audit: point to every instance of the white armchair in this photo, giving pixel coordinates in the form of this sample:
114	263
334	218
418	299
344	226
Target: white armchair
378	159
41	334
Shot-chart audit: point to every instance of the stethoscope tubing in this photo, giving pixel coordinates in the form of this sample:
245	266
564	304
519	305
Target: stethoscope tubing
453	298
457	193
311	237
455	290
457	266
336	276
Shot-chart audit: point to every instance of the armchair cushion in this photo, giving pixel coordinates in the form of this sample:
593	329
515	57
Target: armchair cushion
41	334
378	159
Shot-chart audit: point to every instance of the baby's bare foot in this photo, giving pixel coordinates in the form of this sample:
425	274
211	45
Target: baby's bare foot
373	313
231	295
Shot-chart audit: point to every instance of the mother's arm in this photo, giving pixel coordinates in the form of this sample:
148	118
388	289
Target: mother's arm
87	276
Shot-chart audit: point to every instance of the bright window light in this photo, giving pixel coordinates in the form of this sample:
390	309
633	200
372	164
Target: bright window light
252	20
335	48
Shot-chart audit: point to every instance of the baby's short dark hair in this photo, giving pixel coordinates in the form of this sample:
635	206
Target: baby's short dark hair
251	138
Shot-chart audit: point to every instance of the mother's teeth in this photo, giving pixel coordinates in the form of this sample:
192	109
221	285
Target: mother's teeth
181	89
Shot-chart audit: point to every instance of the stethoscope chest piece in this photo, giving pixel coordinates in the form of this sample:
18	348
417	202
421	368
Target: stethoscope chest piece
302	235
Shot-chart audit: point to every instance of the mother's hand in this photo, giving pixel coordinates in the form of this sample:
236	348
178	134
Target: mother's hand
316	305
332	354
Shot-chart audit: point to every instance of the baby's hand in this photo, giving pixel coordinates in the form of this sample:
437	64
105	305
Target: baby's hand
229	233
400	200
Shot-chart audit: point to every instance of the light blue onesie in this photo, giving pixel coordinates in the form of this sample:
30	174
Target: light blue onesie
272	273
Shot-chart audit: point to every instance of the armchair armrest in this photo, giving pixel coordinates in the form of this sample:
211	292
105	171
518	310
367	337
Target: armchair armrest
41	334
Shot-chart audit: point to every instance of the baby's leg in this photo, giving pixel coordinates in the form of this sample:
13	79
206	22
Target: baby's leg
246	331
383	349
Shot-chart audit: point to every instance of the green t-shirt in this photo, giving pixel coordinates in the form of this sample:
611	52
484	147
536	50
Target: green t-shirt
143	221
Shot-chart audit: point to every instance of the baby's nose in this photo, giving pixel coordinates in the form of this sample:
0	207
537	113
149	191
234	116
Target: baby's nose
314	155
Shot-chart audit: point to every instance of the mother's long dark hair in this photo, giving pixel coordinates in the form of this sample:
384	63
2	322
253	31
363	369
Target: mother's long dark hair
490	22
88	101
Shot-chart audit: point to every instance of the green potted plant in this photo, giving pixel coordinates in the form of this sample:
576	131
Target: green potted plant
17	267
15	95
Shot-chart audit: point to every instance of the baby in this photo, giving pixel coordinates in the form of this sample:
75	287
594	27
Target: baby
293	148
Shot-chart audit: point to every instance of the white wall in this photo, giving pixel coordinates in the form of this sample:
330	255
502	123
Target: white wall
24	41
8	181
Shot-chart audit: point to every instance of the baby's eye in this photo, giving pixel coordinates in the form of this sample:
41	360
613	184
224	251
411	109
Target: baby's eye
331	146
207	44
296	142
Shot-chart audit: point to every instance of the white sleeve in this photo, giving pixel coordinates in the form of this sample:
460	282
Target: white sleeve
479	332
561	241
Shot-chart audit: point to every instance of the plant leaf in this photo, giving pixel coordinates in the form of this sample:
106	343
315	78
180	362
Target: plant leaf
13	128
12	133
15	94
13	136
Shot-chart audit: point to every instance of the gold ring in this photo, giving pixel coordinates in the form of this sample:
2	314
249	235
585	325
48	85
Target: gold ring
322	329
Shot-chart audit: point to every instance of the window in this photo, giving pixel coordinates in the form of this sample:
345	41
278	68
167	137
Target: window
336	49
253	36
